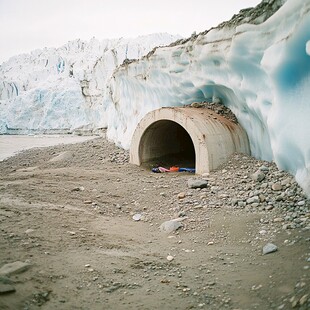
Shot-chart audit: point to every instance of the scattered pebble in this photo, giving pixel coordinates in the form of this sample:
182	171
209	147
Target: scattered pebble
269	248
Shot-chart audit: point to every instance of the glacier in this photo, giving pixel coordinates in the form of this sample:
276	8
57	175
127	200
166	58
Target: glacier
257	64
61	90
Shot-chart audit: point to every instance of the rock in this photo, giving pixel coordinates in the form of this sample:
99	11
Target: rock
262	197
6	288
269	248
137	217
253	199
278	220
28	231
301	203
197	183
203	196
181	195
303	300
263	168
5	280
258	176
234	201
172	225
170	258
14	268
77	189
276	187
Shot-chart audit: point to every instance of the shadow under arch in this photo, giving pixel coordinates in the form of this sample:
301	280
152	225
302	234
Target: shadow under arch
167	143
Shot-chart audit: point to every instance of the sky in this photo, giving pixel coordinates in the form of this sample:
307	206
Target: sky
26	25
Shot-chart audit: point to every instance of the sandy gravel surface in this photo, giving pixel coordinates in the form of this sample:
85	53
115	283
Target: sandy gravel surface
66	221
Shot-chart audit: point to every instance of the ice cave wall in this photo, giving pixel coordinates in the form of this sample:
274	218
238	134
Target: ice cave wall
259	68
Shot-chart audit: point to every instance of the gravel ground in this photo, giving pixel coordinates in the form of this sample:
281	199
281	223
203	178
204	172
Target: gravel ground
84	229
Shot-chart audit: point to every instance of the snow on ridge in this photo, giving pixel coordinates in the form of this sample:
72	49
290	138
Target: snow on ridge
62	89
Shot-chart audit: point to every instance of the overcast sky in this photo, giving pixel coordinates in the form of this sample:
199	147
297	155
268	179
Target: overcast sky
29	24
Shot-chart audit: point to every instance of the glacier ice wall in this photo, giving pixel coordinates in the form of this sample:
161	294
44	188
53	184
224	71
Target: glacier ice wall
62	89
259	68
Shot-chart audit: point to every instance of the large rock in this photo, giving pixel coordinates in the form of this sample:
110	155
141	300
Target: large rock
258	176
197	183
171	226
14	268
6	288
269	248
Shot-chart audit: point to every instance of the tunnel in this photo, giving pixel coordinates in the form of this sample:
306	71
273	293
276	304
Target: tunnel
167	143
189	137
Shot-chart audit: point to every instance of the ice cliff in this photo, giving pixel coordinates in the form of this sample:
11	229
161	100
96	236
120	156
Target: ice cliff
62	89
257	64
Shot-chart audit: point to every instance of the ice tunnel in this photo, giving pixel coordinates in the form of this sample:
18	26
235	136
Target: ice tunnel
194	137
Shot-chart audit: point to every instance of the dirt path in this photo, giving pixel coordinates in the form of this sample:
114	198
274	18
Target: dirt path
68	212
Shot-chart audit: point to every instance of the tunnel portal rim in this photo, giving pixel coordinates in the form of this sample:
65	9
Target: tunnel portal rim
214	137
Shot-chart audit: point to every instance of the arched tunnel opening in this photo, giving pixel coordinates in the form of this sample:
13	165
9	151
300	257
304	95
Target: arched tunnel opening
166	143
186	137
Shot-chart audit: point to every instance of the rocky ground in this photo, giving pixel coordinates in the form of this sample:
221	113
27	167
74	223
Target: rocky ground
81	228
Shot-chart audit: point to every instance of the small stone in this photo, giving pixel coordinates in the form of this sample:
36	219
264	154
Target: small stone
77	189
203	196
276	187
197	183
287	226
263	168
137	217
278	220
303	300
258	176
301	203
269	248
181	195
210	243
170	258
253	199
269	207
262	197
28	231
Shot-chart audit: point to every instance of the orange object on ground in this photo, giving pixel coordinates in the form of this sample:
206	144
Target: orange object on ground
174	169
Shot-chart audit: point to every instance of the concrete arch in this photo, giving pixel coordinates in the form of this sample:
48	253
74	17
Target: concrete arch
214	138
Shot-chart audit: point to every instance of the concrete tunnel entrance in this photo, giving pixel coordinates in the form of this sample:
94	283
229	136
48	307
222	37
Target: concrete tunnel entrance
196	137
